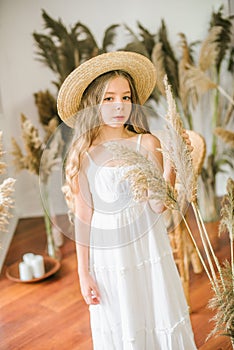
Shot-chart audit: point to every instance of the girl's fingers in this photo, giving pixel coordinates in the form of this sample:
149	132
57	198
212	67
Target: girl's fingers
93	297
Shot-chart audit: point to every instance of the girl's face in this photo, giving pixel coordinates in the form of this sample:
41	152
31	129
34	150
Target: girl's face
117	105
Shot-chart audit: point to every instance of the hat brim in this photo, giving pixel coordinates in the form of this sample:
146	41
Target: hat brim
139	67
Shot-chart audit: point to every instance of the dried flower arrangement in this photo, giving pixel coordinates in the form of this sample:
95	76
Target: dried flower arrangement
62	50
6	191
40	158
144	178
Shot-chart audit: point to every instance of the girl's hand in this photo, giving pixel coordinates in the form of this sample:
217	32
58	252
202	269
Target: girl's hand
89	289
187	140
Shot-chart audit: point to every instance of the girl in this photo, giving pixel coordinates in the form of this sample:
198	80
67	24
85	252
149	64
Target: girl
126	269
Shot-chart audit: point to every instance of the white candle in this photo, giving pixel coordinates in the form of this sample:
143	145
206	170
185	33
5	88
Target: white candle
28	257
25	271
38	266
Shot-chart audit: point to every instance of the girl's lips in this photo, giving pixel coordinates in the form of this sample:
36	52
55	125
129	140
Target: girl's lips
119	117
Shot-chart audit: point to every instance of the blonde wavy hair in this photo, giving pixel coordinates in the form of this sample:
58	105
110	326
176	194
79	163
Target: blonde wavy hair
88	124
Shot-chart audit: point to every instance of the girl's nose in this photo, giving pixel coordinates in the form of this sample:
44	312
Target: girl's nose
118	106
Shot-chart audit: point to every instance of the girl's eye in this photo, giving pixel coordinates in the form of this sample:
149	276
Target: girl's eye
127	98
107	99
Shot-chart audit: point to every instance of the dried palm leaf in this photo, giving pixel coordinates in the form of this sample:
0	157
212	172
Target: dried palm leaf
135	45
148	38
210	49
46	105
169	59
61	50
109	36
84	41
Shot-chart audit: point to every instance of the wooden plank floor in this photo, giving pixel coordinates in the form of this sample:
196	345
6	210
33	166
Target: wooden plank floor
51	315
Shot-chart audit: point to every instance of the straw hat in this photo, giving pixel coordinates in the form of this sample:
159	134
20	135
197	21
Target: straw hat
140	68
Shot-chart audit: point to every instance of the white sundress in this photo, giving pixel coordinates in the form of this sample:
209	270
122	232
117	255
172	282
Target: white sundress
142	305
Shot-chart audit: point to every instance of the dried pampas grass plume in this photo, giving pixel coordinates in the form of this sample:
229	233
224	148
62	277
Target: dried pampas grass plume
210	49
177	150
2	164
6	202
227	136
6	191
35	148
146	180
158	61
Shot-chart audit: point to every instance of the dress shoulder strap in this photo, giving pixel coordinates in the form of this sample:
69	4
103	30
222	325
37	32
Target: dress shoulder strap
89	156
138	146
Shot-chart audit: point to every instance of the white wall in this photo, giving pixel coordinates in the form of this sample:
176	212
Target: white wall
21	75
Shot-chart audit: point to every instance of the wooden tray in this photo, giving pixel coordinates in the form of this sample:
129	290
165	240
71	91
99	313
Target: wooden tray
51	267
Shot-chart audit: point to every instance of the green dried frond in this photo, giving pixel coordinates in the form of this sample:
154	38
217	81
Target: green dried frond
210	49
109	36
135	45
227	211
231	61
61	50
148	38
46	105
225	35
47	51
169	59
227	136
84	41
56	28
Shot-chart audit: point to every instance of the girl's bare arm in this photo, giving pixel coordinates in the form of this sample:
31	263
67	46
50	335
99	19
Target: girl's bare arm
83	216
